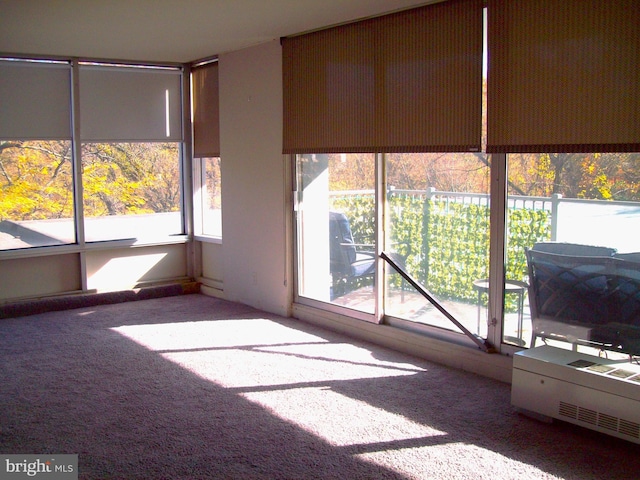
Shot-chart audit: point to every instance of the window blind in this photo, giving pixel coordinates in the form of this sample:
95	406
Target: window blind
35	100
564	76
206	111
130	104
403	82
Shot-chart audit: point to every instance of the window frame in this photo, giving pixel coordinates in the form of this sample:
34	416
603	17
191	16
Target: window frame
379	315
200	201
80	245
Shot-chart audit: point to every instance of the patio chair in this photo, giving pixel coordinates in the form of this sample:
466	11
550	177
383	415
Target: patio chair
349	261
576	249
584	296
625	294
352	262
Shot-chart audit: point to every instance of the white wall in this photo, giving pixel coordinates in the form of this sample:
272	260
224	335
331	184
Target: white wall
39	276
106	269
254	194
122	269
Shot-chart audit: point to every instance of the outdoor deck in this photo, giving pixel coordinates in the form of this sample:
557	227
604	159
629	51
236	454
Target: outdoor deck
410	305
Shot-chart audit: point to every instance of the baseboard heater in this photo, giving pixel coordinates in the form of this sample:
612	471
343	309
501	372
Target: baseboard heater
598	393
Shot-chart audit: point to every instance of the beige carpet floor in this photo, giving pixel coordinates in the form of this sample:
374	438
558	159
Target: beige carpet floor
190	387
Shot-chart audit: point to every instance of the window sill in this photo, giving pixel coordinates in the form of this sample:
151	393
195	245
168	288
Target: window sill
208	239
43	251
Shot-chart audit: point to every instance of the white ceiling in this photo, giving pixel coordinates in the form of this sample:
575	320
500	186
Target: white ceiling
167	30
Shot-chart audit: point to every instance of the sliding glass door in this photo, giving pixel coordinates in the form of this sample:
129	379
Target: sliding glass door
436	210
336	226
438	229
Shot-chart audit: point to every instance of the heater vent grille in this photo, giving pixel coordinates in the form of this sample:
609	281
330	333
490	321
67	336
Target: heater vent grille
602	420
629	428
568	410
607	421
587	416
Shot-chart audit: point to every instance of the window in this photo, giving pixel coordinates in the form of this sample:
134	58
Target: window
438	230
131	190
336	229
576	198
208	205
374	89
206	149
36	199
554	84
36	161
126	175
131	128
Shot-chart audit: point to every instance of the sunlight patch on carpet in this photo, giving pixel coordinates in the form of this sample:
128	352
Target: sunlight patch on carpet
467	461
213	334
340	419
220	351
280	368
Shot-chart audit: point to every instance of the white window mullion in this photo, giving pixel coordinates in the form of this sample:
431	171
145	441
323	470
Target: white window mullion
380	237
76	159
497	239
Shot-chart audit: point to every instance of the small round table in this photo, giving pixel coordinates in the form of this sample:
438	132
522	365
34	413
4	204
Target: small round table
510	286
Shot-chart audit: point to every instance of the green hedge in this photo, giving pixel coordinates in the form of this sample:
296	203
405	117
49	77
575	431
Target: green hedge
446	244
360	210
456	239
406	214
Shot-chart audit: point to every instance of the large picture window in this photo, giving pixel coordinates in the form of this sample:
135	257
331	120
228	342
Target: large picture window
131	190
130	127
469	226
438	229
575	200
126	176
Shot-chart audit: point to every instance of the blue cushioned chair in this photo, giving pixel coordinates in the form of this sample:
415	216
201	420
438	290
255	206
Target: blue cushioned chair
349	261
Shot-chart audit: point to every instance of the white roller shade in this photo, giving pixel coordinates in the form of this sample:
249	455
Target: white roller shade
35	100
128	104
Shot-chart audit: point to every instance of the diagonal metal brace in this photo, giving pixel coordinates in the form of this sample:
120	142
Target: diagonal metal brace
482	343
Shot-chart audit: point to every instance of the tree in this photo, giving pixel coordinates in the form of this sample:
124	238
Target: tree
35	180
130	178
